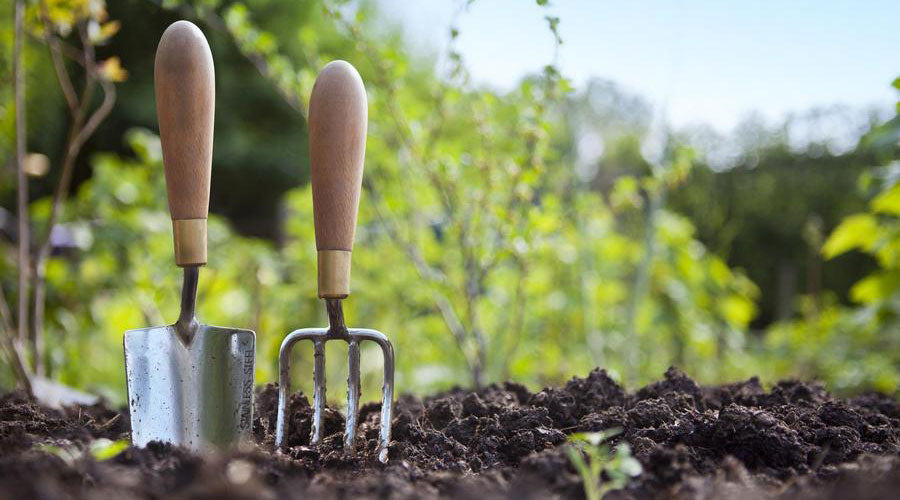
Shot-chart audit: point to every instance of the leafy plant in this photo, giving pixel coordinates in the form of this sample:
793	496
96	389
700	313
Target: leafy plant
854	347
601	469
72	31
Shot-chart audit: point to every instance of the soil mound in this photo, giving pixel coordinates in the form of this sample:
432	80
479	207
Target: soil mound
733	441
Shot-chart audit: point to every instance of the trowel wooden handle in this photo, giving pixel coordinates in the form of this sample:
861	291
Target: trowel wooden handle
338	114
185	106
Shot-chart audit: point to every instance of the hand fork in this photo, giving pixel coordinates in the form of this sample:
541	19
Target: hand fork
337	142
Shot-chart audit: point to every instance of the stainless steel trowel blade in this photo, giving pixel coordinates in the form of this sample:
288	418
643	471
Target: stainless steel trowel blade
199	394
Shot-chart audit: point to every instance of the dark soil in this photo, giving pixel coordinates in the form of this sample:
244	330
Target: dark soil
736	441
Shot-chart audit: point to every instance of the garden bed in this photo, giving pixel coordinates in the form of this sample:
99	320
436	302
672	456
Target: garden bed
734	441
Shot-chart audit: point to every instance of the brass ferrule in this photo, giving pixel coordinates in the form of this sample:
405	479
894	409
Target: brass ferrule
190	242
334	274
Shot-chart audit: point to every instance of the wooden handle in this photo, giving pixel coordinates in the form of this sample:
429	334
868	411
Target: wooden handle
338	115
185	105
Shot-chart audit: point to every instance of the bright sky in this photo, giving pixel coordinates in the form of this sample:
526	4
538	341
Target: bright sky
704	61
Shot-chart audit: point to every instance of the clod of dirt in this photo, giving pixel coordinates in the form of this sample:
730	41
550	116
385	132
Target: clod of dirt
731	441
23	423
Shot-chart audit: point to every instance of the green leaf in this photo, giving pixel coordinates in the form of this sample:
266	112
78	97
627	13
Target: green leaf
594	438
625	193
105	449
624	463
737	310
68	454
876	287
856	231
888	202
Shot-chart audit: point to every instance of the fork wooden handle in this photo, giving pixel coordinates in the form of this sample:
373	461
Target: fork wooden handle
185	105
338	115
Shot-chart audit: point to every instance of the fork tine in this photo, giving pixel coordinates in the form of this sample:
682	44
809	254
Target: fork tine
284	378
387	398
284	391
387	390
318	391
352	397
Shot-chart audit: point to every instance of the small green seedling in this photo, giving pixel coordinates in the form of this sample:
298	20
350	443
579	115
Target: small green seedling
591	456
104	449
100	450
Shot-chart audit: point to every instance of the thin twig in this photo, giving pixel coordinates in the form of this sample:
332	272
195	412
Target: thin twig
109	100
65	82
515	319
23	236
14	348
109	423
14	344
641	285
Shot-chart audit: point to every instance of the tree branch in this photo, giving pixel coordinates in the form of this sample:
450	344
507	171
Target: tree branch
65	81
14	348
100	114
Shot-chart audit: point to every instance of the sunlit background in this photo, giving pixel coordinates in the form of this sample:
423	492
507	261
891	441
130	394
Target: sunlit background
550	187
701	62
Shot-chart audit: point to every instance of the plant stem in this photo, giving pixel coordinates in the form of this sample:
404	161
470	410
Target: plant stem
14	348
23	236
641	284
14	343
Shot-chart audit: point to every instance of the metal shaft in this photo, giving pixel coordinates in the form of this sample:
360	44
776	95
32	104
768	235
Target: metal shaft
336	326
187	319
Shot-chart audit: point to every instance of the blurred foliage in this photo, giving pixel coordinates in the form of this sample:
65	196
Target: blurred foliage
488	248
863	341
768	211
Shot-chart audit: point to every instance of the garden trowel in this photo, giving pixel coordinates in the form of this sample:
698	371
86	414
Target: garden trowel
188	384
